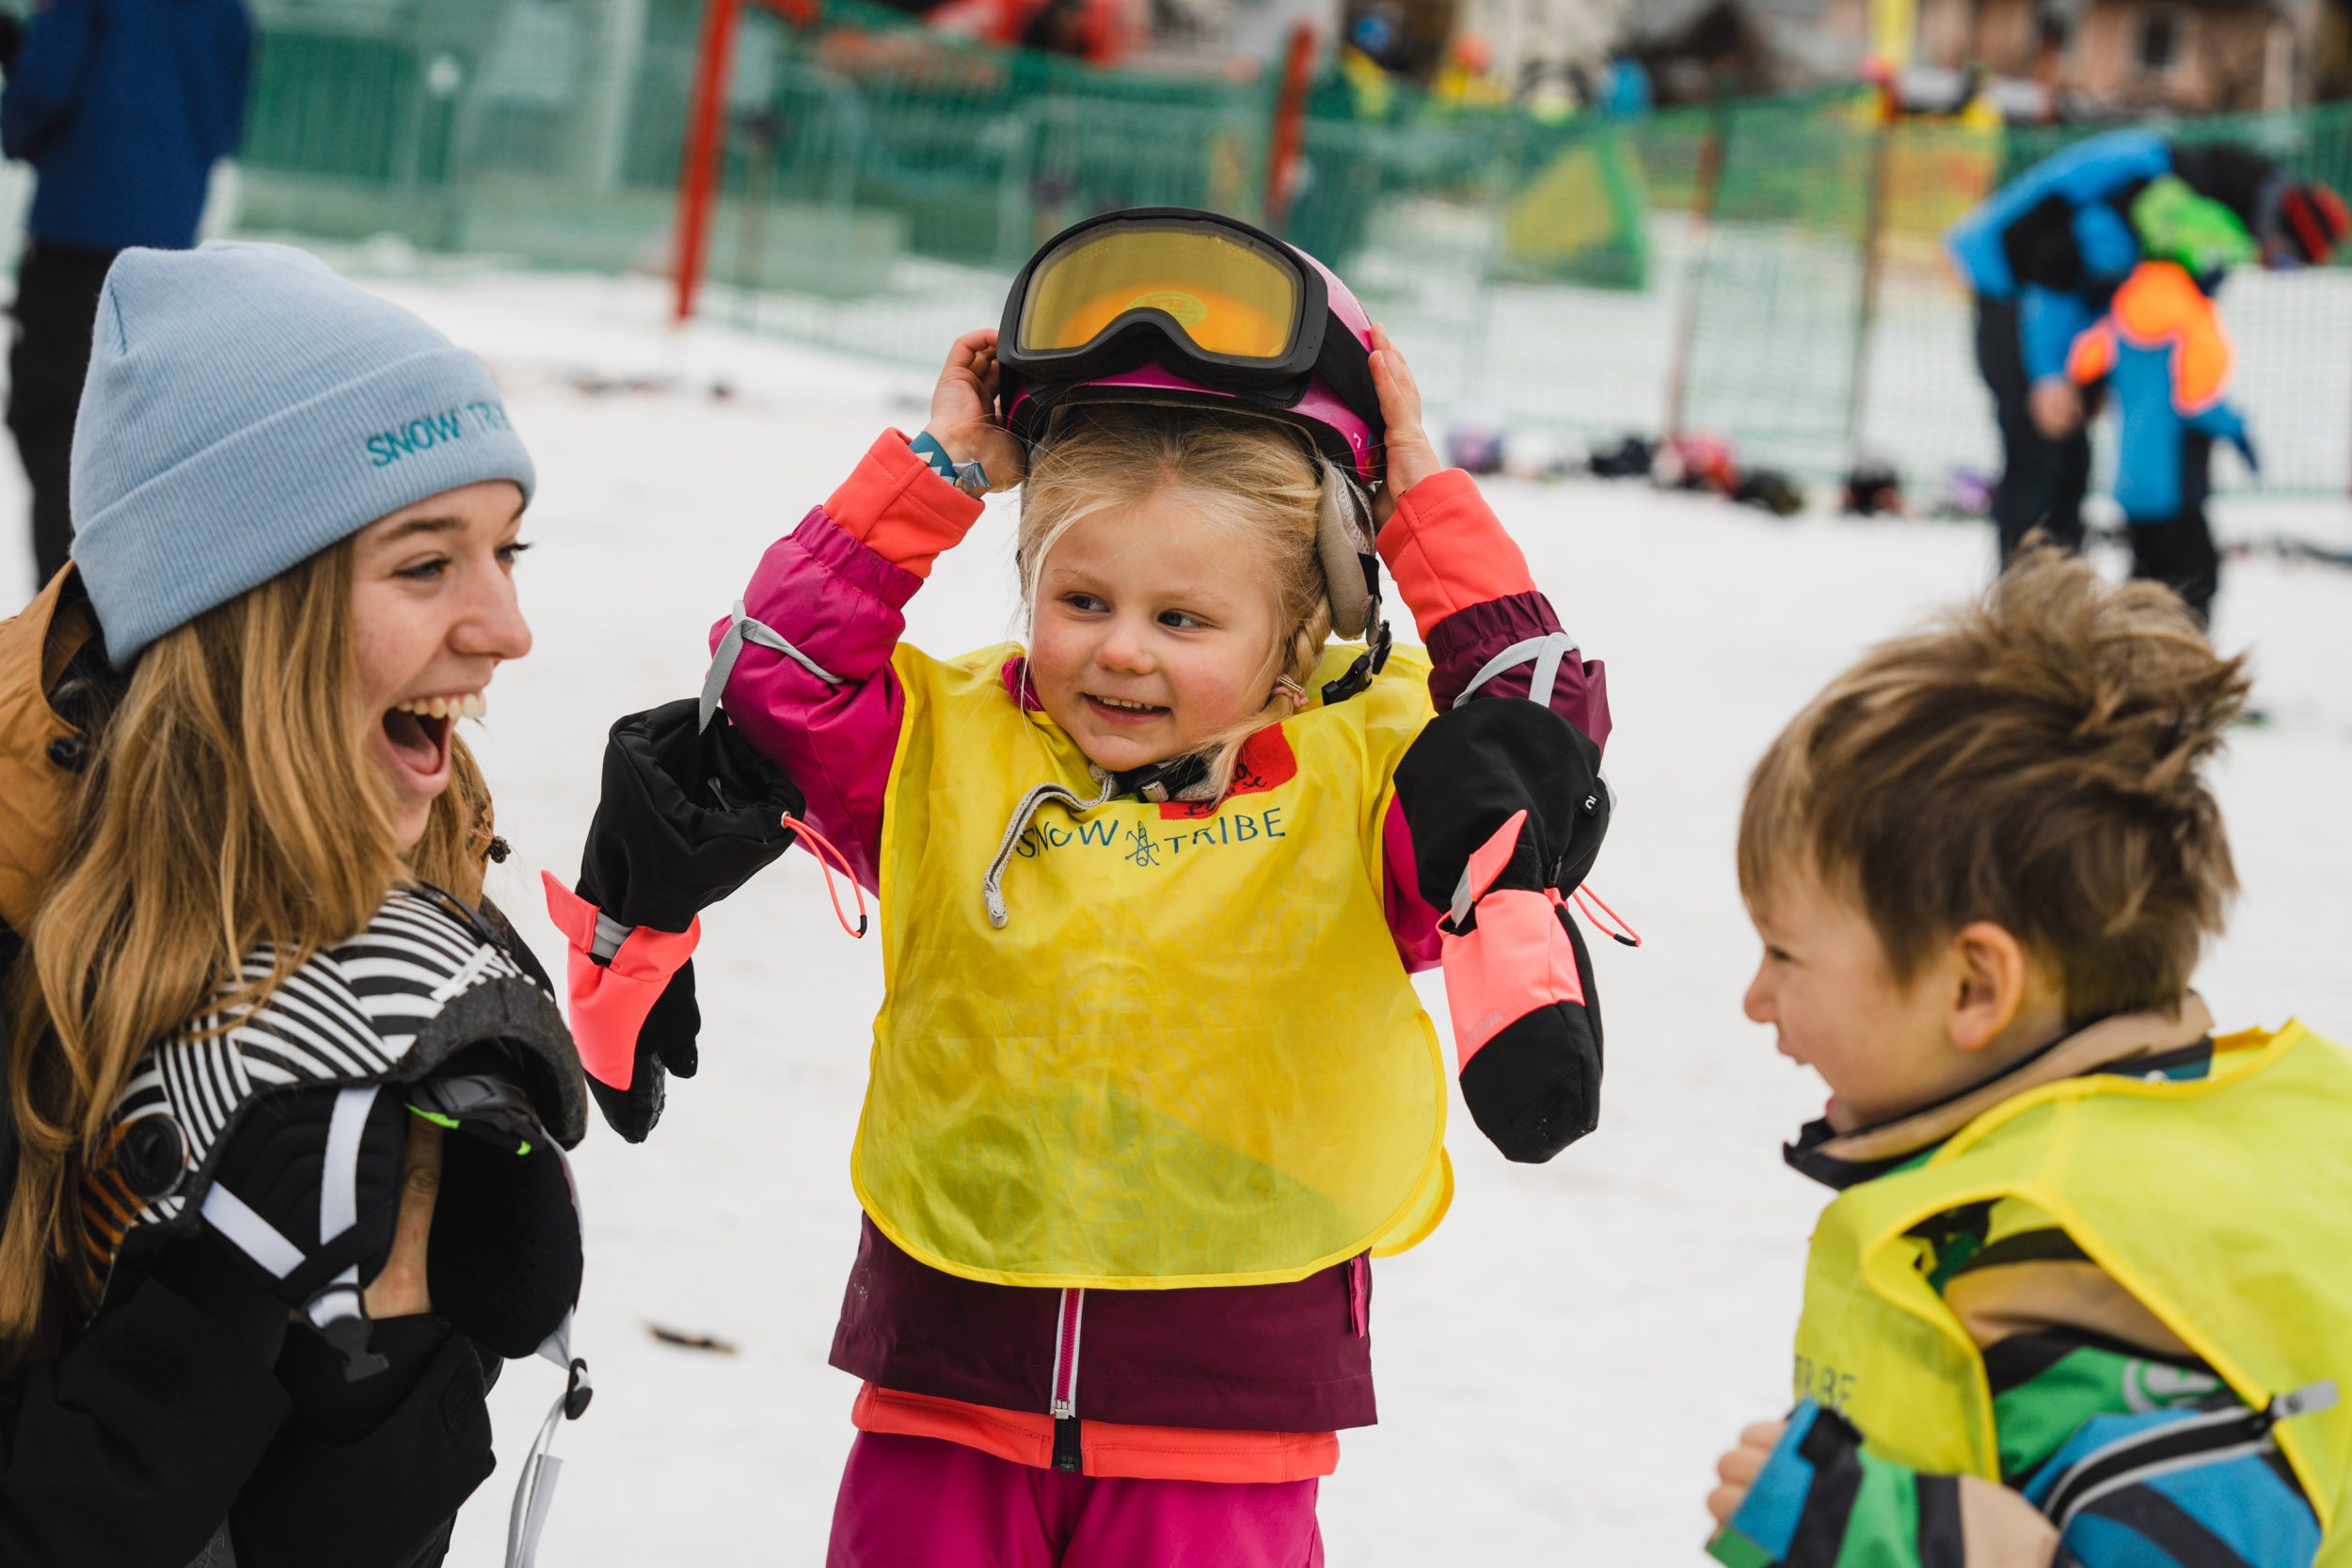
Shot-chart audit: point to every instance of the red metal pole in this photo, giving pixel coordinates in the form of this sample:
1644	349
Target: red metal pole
1290	119
698	181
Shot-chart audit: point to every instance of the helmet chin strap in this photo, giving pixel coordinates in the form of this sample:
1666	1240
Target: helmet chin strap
1369	663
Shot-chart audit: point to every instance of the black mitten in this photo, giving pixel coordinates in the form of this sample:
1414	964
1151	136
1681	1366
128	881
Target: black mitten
665	1048
1507	812
688	816
369	1475
1534	1087
504	1261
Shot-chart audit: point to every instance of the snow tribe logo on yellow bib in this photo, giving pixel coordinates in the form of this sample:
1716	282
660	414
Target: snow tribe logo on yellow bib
1192	1057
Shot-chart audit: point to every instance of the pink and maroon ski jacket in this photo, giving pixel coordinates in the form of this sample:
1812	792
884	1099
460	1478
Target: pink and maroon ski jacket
1498	814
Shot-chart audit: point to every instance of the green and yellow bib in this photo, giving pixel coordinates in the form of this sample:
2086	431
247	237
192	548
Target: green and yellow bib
2223	1204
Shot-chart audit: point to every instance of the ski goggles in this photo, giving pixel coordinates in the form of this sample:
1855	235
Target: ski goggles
1200	295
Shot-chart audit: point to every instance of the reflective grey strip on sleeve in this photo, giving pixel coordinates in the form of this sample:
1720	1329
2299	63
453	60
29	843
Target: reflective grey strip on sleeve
610	933
1544	651
742	628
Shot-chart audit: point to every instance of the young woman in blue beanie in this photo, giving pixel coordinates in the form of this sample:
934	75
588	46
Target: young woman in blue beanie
253	1023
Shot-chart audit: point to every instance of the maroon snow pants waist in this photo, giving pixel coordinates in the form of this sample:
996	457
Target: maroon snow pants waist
1294	1358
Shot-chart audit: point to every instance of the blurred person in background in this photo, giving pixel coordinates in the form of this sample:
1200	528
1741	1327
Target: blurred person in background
2045	256
122	108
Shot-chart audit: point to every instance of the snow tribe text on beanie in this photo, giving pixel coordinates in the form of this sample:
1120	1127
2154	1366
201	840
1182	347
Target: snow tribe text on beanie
246	409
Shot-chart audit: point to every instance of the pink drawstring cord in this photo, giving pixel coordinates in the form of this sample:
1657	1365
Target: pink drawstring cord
827	858
1615	925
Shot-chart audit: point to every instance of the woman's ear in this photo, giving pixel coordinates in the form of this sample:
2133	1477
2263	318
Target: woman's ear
1991	976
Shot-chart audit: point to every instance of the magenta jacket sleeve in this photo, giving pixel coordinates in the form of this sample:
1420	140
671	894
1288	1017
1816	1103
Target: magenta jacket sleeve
825	707
1467	583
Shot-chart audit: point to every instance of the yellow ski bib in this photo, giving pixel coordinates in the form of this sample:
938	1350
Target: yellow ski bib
2224	1205
1192	1056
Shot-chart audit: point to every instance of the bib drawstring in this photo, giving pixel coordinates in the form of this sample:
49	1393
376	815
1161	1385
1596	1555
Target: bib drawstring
992	886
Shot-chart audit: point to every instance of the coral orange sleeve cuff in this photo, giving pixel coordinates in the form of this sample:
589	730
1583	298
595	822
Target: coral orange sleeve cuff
609	1001
1448	551
895	506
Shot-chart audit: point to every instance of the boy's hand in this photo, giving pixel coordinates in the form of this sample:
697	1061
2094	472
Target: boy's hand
1411	458
1739	1466
963	411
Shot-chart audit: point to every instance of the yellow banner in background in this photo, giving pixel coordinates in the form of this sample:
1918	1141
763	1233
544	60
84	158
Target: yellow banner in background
1894	26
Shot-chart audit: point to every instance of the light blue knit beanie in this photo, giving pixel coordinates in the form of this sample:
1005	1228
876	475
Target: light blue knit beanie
246	409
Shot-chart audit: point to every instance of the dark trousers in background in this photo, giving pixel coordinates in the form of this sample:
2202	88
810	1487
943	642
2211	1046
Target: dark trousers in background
2043	480
2178	552
55	310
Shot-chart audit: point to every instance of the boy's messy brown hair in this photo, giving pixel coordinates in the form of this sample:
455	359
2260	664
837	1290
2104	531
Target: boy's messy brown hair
2036	760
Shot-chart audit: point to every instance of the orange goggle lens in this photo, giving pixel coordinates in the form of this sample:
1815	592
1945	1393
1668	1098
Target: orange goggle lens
1229	298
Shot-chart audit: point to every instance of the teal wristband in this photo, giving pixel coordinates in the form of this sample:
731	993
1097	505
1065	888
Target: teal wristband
970	478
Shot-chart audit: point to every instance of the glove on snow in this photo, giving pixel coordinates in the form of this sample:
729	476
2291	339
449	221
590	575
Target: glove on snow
1506	808
686	816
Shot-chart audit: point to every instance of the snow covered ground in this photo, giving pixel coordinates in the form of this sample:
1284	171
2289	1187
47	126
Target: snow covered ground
1560	1363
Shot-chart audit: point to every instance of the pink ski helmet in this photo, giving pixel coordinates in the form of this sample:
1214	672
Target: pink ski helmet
1177	305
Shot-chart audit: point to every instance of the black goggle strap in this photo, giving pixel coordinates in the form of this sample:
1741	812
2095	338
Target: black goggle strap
1346	365
336	1308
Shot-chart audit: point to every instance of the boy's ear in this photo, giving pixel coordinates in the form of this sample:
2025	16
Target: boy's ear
1989	976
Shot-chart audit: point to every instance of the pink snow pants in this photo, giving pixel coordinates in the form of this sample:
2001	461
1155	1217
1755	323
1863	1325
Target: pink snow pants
924	1502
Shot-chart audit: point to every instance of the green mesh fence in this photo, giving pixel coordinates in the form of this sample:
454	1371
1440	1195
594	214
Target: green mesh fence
1828	325
1768	271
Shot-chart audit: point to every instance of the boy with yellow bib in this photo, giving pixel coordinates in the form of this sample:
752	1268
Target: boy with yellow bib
2083	1296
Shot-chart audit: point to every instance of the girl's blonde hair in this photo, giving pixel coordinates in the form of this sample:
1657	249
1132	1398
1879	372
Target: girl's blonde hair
1251	479
231	802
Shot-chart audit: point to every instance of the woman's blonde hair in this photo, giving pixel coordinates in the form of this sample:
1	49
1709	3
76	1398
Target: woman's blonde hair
1253	480
231	802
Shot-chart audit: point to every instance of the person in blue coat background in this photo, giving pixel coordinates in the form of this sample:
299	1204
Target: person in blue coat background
2044	256
122	108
